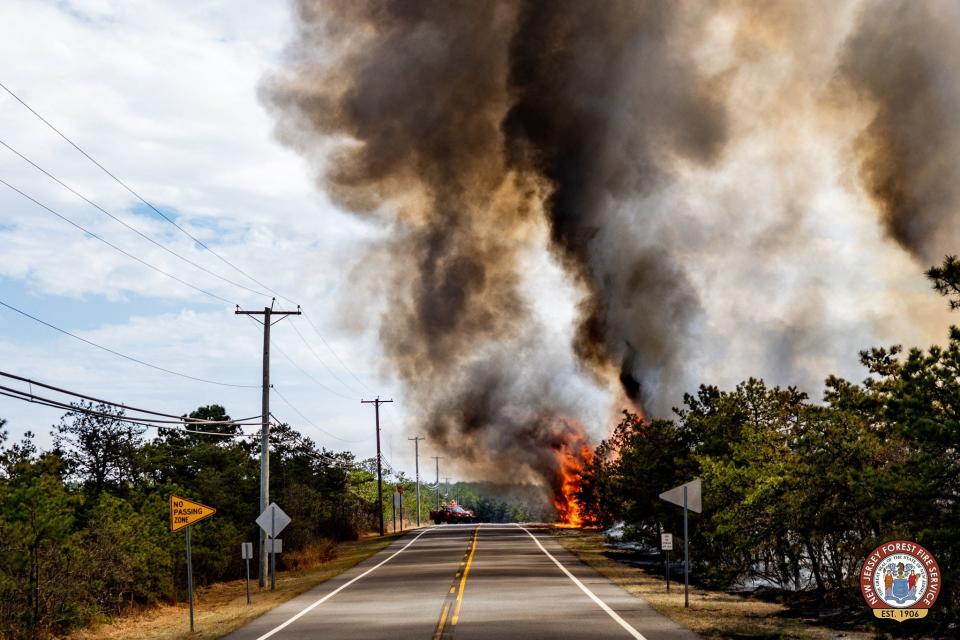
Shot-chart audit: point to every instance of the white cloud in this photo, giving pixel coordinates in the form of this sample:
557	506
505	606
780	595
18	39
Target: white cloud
165	95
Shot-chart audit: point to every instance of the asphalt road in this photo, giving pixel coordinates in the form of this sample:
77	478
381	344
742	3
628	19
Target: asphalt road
466	582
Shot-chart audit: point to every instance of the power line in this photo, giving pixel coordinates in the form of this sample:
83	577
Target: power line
309	421
48	402
129	226
138	196
329	348
321	361
301	370
171	221
125	356
111	245
126	407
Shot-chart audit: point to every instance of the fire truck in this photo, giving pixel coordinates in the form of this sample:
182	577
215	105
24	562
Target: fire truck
453	513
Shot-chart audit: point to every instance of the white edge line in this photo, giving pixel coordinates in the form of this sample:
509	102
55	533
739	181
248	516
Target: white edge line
600	603
309	608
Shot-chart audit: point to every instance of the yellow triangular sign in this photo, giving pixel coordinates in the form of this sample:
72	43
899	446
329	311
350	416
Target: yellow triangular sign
185	512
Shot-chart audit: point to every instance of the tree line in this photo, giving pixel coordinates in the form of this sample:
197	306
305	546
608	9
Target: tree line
796	492
84	527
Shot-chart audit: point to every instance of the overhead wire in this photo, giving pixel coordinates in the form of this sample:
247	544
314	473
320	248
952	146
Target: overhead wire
319	455
137	195
72	408
330	349
322	361
308	420
126	407
198	241
125	356
129	226
111	245
305	373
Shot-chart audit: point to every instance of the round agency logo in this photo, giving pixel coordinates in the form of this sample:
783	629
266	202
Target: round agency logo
900	580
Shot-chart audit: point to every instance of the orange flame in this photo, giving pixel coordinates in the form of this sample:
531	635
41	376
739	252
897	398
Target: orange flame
571	456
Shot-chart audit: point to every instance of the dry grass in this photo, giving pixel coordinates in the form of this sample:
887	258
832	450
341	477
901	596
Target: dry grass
313	555
712	614
222	608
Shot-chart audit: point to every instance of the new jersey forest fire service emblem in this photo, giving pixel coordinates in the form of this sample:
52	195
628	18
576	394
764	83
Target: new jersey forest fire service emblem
900	580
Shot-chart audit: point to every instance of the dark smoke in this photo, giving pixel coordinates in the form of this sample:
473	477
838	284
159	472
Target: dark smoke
466	127
902	60
600	138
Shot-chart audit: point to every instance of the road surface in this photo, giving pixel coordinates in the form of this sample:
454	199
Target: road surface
466	582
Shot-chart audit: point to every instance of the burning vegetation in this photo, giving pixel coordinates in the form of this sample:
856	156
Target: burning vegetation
571	459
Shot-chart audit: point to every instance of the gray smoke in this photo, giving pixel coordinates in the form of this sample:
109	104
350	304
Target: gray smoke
902	61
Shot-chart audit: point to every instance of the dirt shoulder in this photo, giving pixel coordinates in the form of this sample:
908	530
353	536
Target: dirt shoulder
712	614
222	608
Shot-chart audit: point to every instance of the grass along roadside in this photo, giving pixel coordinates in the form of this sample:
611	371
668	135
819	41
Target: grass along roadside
712	614
222	607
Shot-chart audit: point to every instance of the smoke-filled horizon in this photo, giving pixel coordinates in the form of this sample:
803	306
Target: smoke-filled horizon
725	189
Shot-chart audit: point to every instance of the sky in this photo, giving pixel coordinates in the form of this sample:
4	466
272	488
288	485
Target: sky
164	95
781	244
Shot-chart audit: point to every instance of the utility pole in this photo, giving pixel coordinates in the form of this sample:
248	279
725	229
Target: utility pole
376	406
267	322
416	456
437	459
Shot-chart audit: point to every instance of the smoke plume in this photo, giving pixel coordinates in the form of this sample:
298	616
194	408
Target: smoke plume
901	60
681	163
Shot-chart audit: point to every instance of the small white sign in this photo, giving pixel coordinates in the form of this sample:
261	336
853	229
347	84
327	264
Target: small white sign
666	542
274	545
246	550
396	500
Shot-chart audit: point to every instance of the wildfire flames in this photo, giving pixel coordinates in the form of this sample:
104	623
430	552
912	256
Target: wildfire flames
571	458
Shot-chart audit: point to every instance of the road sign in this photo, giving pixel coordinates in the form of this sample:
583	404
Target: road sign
273	520
400	489
694	490
397	500
184	513
666	542
274	545
686	496
246	553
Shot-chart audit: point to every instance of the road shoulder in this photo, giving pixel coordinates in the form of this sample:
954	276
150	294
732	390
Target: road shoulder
221	608
645	619
712	614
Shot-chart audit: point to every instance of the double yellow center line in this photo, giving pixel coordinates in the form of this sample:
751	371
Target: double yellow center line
462	573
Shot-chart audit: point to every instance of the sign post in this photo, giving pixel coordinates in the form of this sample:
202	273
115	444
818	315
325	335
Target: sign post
687	496
273	520
190	578
246	553
183	514
400	502
666	545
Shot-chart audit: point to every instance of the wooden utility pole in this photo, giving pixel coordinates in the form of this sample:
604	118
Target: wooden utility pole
416	457
267	322
437	459
376	406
